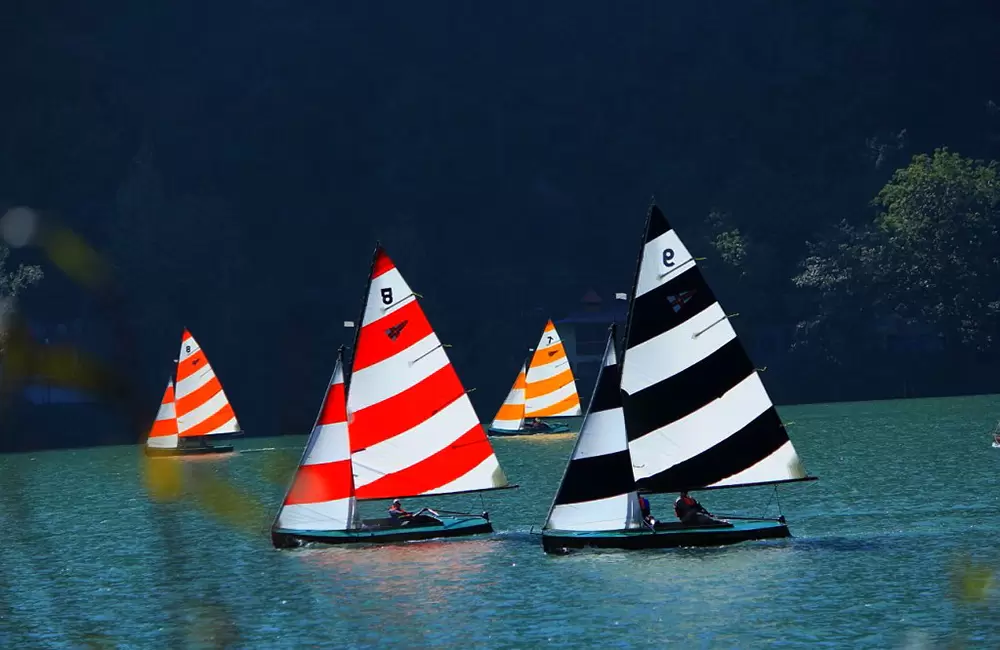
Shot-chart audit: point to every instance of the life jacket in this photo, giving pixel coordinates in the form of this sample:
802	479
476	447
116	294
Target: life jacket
684	505
644	506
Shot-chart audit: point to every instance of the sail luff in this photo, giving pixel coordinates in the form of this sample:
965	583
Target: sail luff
550	388
321	493
696	411
412	426
597	490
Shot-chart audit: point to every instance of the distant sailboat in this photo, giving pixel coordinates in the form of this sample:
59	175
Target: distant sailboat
547	389
194	409
691	413
404	427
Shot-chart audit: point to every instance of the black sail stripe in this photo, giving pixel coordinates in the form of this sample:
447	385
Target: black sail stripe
673	398
597	477
747	447
607	394
653	313
658	223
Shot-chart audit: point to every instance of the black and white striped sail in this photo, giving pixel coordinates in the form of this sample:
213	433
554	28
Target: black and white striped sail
696	412
597	491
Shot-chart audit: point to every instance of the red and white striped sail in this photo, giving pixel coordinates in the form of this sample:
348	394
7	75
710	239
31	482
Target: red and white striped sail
202	407
510	417
322	492
551	389
163	434
412	427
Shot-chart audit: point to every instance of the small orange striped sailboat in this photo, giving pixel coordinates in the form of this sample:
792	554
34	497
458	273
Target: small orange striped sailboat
402	427
546	390
194	409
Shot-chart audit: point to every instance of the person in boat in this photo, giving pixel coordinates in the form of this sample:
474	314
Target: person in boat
645	511
396	510
534	424
689	511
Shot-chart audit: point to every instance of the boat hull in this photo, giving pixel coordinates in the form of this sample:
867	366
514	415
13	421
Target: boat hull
670	535
383	531
553	428
153	452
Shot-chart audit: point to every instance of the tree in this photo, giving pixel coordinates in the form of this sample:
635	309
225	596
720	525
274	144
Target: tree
13	282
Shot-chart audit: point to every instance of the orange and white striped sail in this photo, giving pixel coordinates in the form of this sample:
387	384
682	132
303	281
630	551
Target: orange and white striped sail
550	388
412	427
322	493
202	407
163	434
510	417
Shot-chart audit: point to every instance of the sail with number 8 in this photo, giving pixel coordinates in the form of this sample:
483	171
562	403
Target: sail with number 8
410	426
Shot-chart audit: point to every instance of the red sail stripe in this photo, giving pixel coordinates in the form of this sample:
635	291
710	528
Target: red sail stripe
168	395
192	364
334	406
403	411
390	335
449	464
161	428
321	482
211	423
382	263
199	396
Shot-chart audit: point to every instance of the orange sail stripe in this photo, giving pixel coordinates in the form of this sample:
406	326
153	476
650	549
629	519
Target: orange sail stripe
192	364
510	412
211	423
321	482
519	382
546	386
406	410
387	336
557	408
442	468
199	396
334	408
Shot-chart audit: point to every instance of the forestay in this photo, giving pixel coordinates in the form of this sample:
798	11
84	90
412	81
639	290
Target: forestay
413	430
550	388
696	412
202	406
322	493
597	491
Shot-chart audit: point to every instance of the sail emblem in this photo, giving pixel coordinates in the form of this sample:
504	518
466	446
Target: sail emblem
681	299
394	331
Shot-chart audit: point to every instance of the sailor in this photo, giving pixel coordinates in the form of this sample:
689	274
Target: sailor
396	510
689	511
645	511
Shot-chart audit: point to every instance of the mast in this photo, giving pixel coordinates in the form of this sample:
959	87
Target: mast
696	412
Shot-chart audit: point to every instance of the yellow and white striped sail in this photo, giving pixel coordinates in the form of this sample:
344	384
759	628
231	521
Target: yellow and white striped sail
550	389
510	417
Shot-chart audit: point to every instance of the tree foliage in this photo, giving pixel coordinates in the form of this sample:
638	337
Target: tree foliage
13	282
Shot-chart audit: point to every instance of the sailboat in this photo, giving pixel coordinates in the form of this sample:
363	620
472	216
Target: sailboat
544	388
690	413
194	409
401	426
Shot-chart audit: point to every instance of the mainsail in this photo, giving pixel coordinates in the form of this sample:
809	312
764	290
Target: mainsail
202	407
598	490
510	417
696	412
163	434
322	493
550	389
413	430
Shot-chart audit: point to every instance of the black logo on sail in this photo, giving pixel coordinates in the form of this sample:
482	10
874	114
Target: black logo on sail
394	331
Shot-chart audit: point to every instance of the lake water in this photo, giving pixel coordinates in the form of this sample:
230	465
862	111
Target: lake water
894	547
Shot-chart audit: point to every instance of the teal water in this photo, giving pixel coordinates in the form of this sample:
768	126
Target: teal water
894	547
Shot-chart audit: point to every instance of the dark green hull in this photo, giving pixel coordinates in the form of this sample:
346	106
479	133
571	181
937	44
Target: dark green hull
668	535
553	428
152	452
383	531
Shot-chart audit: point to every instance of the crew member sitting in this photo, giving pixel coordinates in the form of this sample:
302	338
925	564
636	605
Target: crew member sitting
645	511
396	510
689	511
